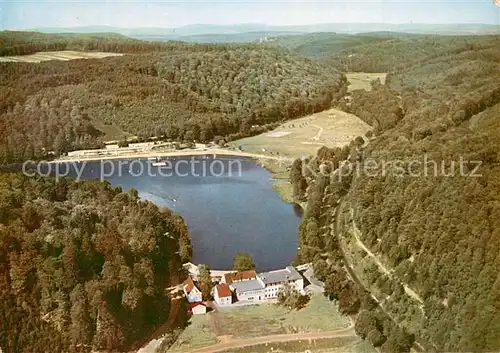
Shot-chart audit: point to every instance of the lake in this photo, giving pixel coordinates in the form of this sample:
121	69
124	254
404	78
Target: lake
228	204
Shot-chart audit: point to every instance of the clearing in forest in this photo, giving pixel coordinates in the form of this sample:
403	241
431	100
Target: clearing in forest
362	80
64	55
304	136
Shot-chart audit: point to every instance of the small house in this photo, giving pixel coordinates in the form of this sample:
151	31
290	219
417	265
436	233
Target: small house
192	293
198	308
223	295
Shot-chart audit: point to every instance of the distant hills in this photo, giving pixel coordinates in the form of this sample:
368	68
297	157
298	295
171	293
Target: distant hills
248	32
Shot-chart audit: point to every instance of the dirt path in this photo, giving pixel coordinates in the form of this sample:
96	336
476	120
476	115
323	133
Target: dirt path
335	227
356	232
318	135
248	342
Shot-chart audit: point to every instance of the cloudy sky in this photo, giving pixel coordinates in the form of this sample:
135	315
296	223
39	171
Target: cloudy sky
23	14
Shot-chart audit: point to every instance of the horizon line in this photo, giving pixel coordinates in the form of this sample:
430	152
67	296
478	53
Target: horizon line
258	23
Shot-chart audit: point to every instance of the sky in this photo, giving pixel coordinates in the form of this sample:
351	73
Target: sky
29	14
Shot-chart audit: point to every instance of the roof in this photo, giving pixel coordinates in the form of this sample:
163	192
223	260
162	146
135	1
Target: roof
219	273
239	276
194	305
188	285
245	286
287	274
192	269
223	290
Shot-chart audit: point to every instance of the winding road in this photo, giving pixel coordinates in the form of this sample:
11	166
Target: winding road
335	229
356	232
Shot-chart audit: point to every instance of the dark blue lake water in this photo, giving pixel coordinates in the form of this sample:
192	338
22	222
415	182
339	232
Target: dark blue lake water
228	204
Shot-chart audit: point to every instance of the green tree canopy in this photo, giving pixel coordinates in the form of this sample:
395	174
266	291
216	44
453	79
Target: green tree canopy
83	265
205	281
243	262
290	298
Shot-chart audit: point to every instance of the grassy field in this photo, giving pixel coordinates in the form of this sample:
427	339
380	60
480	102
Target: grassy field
56	55
304	136
301	138
198	334
266	319
361	80
332	345
259	320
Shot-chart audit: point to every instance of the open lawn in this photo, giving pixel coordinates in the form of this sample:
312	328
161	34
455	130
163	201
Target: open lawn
56	55
361	80
301	138
198	334
265	319
304	136
259	320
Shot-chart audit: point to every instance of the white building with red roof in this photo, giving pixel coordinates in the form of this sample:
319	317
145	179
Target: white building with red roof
223	295
192	293
198	308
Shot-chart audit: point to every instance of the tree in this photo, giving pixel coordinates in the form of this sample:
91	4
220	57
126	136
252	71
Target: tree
110	333
185	248
243	262
320	267
205	281
96	284
299	183
398	341
365	322
376	338
123	143
81	330
290	298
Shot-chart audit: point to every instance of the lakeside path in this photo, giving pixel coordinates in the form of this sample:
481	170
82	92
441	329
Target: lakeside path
249	342
181	153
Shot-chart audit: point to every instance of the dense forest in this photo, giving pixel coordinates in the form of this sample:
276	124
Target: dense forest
72	263
403	51
436	232
322	46
180	91
83	265
24	43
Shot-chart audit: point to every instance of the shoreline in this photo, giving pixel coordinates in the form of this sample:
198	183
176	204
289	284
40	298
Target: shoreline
277	177
149	154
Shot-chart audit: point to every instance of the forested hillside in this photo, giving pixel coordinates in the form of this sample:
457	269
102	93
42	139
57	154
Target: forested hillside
322	46
403	51
83	265
422	235
180	91
23	43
